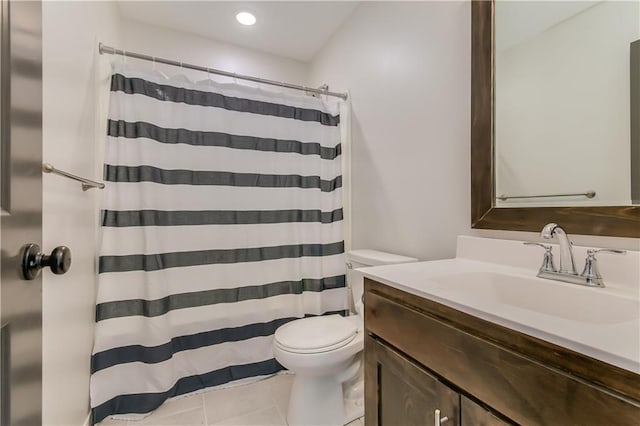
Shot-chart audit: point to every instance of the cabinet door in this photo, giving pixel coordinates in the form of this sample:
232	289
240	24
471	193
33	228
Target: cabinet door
475	415
400	393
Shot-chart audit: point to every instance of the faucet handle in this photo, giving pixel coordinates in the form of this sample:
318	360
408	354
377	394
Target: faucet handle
547	260
591	272
592	253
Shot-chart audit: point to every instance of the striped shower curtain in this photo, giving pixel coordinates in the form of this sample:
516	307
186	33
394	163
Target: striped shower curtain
222	220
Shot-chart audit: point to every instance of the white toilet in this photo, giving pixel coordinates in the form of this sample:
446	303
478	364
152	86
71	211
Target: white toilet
324	352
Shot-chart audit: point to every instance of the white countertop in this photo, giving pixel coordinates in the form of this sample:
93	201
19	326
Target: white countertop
603	323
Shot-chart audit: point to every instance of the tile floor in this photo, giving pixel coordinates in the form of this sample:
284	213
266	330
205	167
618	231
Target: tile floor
262	403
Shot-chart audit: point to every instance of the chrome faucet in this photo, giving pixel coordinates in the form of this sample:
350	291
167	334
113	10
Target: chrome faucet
567	265
567	269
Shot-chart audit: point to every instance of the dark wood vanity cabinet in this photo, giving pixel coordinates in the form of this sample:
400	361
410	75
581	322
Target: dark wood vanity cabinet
421	356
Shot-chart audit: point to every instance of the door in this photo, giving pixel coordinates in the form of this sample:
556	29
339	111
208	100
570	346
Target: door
21	214
400	392
475	415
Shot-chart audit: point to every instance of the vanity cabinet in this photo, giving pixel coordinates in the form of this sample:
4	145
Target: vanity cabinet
422	356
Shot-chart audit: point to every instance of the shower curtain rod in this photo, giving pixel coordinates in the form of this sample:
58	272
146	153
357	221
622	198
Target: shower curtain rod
113	51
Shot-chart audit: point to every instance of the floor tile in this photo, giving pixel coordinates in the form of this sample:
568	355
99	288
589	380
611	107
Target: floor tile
113	422
281	390
262	403
178	405
185	418
229	403
266	417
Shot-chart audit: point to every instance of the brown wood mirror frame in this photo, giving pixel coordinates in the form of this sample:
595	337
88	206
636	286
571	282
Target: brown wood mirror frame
618	221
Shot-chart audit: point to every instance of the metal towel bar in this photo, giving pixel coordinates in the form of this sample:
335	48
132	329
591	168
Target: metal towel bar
86	183
588	194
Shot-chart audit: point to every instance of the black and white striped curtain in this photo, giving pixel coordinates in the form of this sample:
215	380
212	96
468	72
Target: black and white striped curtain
222	220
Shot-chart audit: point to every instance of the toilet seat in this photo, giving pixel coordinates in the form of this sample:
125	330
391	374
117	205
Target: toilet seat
315	334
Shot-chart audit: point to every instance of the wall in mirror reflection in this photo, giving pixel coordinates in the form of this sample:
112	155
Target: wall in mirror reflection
562	101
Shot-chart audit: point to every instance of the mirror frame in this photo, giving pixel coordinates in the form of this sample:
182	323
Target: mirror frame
618	221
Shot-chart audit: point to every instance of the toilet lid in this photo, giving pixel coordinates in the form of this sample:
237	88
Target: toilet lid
315	334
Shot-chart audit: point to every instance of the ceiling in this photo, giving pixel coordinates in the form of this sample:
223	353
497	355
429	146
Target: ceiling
293	29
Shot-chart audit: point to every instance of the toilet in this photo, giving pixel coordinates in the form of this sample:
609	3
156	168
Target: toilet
325	353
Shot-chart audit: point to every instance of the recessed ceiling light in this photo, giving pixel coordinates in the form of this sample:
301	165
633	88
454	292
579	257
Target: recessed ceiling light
246	18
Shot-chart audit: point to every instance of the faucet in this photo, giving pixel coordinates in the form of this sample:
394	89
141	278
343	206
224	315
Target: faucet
567	265
567	269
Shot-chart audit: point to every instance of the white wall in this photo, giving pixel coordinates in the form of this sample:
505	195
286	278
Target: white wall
75	85
180	46
562	108
407	67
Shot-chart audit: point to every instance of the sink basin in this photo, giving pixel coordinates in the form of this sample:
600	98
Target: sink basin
567	301
495	280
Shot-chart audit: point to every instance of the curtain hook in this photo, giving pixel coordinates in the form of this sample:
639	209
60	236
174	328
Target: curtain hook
235	78
124	53
154	63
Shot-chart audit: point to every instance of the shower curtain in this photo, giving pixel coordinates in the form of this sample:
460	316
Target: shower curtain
222	220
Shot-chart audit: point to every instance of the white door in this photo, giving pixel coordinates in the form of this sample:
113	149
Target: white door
21	209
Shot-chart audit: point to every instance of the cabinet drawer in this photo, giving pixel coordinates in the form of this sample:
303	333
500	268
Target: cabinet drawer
518	387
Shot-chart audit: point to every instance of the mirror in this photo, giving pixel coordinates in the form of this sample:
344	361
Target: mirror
538	120
562	102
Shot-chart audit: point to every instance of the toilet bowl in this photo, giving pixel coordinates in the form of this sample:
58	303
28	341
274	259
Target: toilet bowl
325	353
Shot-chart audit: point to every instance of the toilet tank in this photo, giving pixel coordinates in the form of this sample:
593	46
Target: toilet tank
364	257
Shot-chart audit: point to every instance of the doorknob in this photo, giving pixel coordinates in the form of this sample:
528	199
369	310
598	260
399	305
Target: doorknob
32	260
